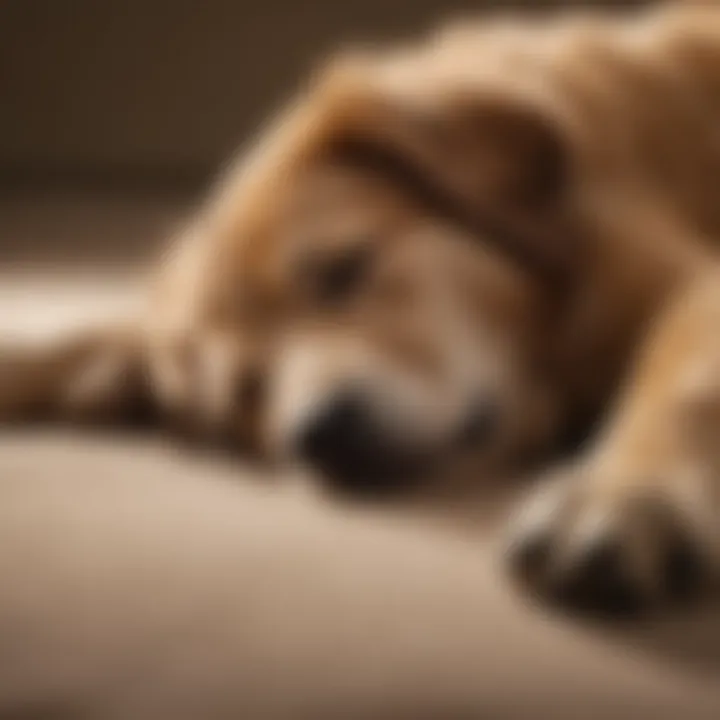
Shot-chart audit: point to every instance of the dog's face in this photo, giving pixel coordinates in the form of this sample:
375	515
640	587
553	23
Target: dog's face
378	331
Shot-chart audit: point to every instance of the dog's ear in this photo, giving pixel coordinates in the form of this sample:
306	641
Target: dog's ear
497	160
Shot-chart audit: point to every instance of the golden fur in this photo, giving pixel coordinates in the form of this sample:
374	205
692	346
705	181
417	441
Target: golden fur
516	218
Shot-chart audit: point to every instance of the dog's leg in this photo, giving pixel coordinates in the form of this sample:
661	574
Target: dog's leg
634	523
94	377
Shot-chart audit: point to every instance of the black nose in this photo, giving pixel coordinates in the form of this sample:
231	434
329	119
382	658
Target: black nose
345	443
481	423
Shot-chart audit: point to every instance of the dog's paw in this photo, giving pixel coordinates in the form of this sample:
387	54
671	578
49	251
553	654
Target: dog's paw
615	548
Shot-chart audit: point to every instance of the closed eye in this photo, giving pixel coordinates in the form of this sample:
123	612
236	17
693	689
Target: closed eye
337	278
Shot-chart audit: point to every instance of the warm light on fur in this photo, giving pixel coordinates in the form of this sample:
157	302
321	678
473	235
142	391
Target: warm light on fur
484	240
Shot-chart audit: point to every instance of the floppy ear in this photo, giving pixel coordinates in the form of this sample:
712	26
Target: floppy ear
495	160
94	377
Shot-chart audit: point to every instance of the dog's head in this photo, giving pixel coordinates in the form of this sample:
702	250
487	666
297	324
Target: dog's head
383	265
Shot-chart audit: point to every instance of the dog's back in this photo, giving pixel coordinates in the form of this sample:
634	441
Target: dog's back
639	93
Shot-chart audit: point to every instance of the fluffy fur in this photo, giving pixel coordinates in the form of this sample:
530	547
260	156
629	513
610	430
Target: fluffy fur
464	248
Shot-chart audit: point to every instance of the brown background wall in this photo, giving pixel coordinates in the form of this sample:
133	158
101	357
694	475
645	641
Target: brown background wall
164	88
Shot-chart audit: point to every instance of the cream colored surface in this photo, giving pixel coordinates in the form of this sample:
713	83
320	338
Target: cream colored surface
139	581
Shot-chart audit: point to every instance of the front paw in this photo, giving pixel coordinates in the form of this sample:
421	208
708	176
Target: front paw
616	547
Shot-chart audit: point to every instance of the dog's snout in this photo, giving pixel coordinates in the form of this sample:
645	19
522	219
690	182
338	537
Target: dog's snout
336	433
345	443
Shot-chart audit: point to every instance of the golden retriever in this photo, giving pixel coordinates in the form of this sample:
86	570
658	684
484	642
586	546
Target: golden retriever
465	247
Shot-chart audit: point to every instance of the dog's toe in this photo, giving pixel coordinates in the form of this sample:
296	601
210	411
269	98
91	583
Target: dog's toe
598	582
529	556
684	569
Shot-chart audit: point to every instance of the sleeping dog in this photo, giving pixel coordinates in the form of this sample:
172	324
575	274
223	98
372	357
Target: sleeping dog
462	248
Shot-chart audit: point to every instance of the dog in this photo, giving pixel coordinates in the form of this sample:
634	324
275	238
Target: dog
462	249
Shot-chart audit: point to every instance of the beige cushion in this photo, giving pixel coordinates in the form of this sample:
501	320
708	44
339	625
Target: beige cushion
140	582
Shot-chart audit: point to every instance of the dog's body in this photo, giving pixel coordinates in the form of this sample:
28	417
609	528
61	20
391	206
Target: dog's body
467	246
